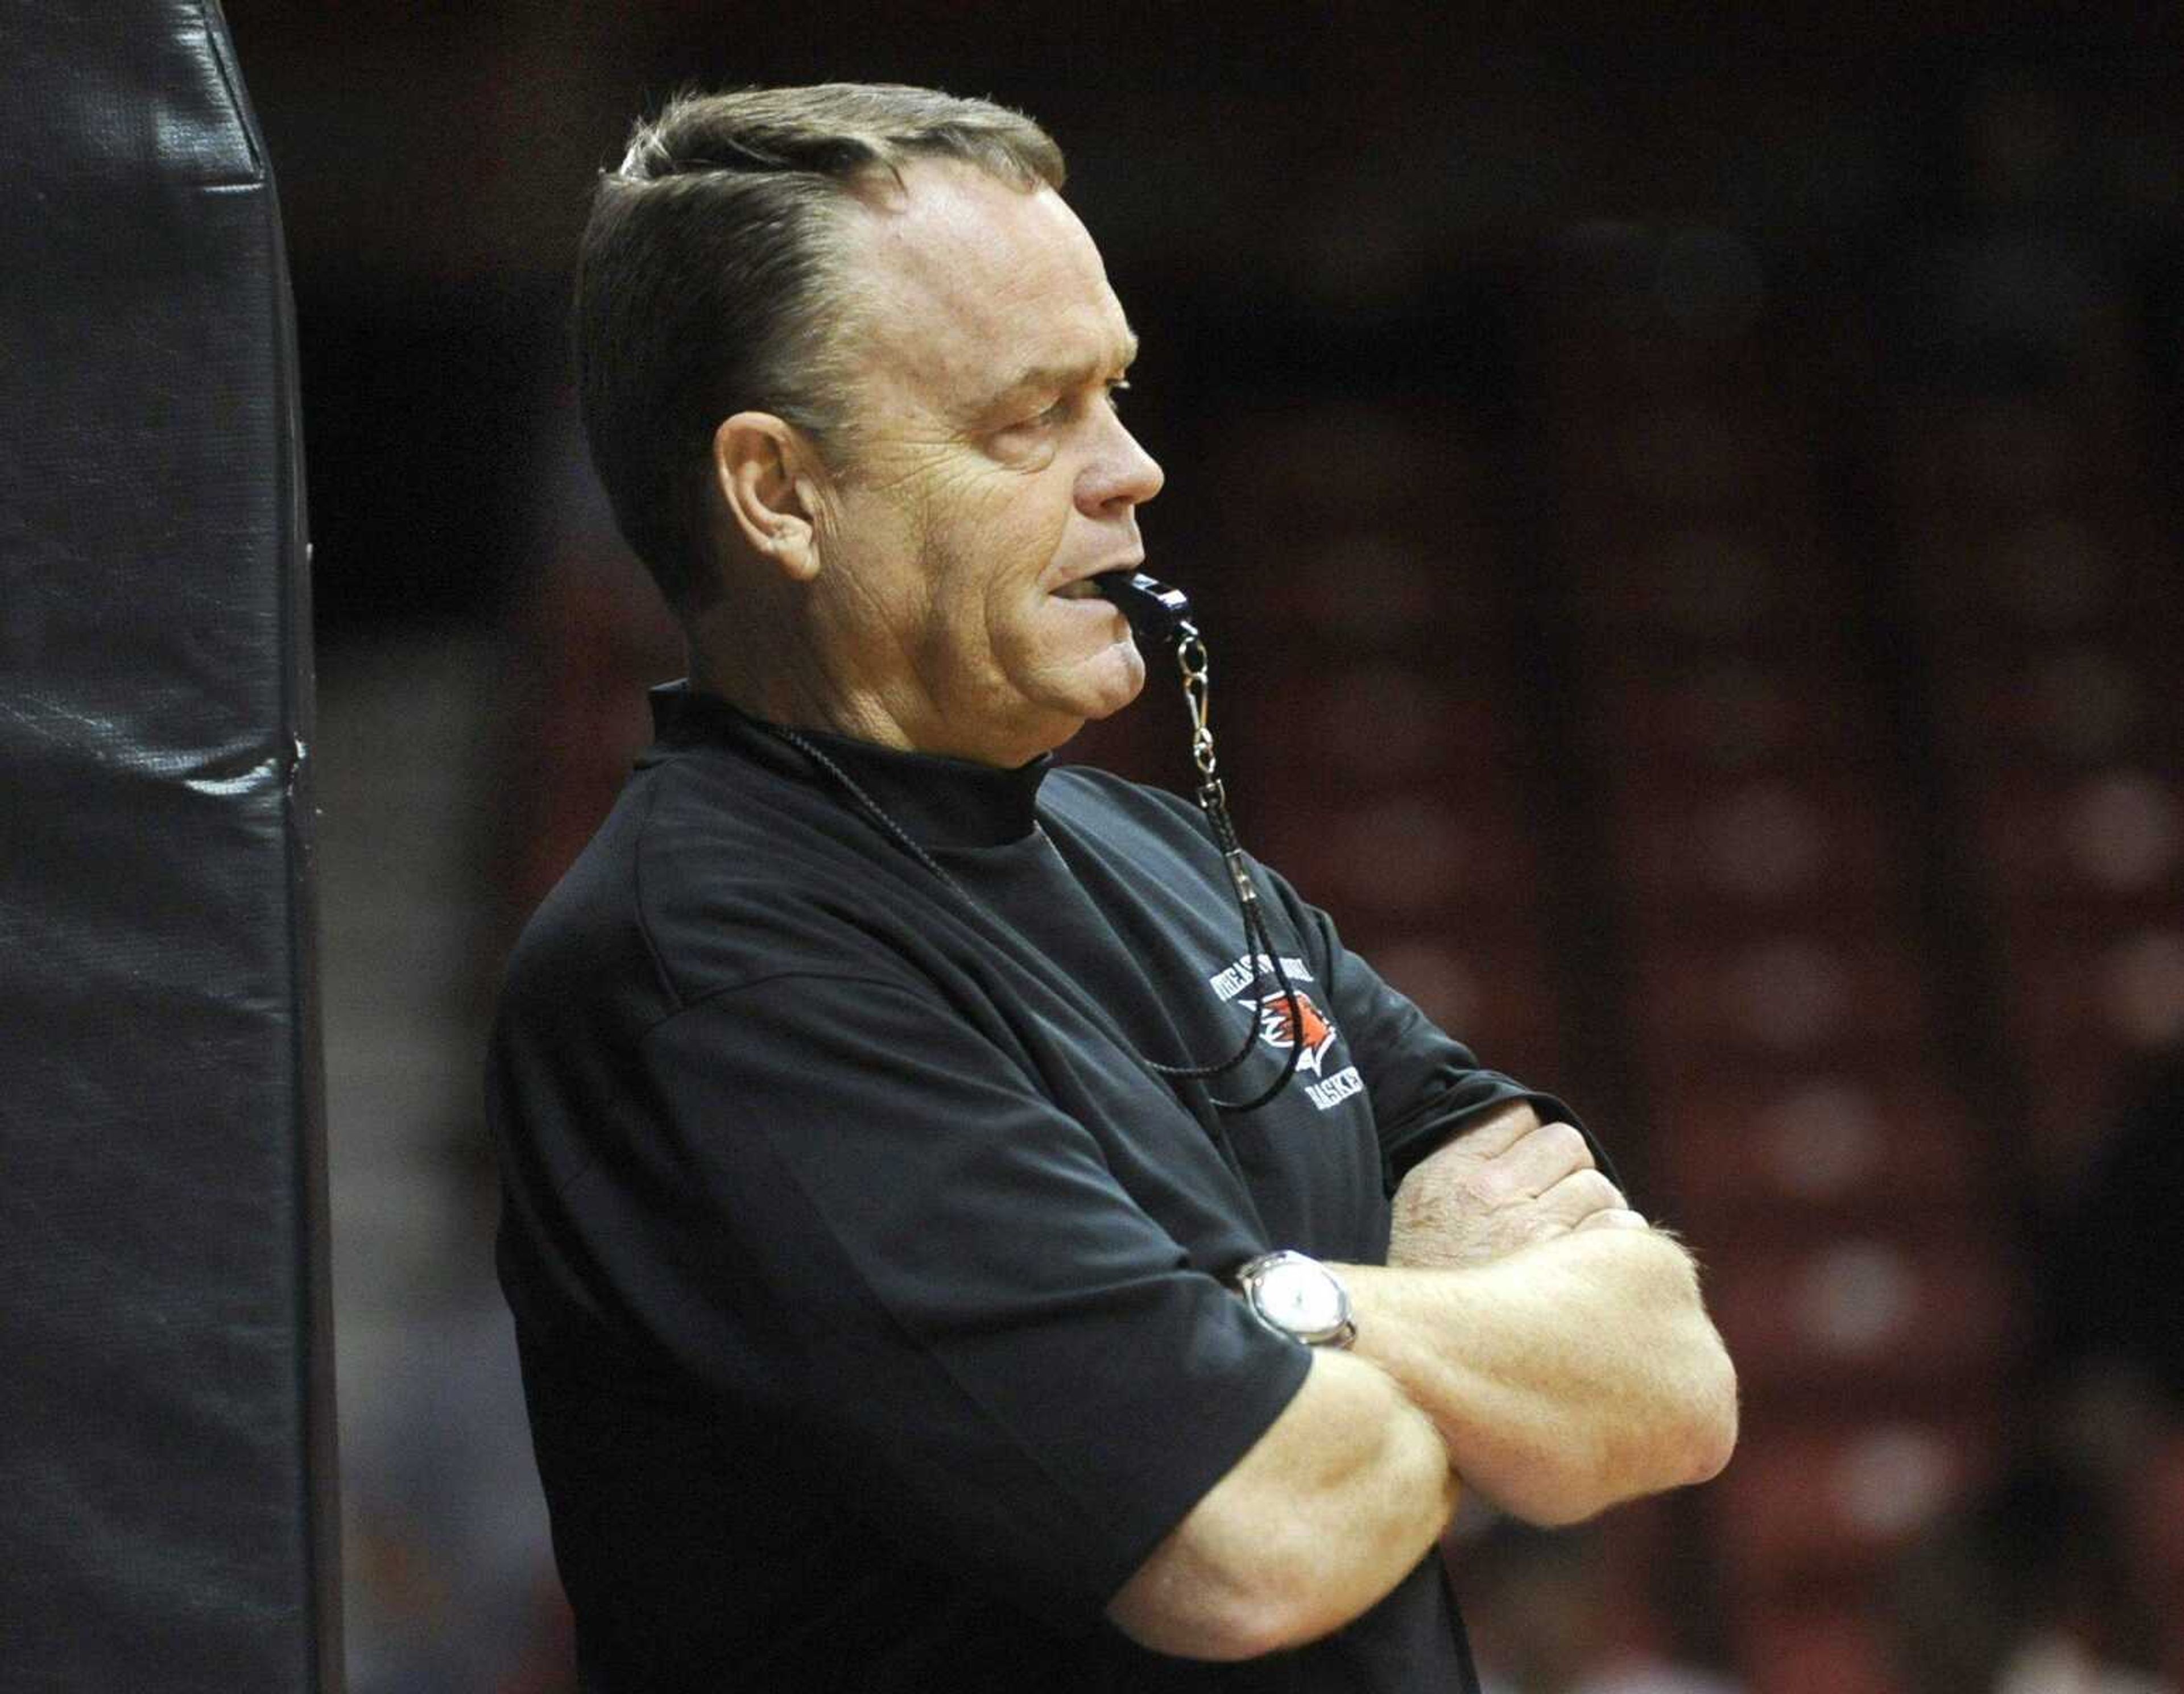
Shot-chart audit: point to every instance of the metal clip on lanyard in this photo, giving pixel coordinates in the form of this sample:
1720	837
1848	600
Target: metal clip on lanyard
1160	615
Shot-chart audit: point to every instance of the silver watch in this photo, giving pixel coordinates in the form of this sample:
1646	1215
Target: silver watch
1298	1297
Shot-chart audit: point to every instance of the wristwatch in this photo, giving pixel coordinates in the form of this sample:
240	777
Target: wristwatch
1299	1297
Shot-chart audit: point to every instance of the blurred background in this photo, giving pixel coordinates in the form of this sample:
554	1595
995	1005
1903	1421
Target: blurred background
1686	521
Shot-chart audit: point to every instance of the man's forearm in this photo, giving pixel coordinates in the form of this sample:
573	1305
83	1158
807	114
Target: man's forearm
1563	1378
1332	1507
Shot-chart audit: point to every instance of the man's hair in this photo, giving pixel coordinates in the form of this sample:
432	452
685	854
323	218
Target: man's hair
711	281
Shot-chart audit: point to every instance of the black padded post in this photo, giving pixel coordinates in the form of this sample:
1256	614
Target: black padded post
167	1516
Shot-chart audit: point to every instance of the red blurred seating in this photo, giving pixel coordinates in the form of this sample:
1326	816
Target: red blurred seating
1745	587
1488	986
2075	706
1789	1001
1673	456
2103	998
597	637
2111	839
1416	855
1730	715
1745	852
2046	573
1816	1151
2157	1533
1429	587
1954	460
1923	1316
2085	1011
1293	484
1337	729
1814	1648
1800	1512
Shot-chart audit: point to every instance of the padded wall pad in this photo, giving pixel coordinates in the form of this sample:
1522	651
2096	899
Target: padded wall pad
166	1494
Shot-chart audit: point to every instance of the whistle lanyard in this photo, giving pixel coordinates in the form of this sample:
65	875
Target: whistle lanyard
1162	615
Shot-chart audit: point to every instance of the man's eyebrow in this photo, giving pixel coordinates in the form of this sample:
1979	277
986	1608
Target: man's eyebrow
1074	373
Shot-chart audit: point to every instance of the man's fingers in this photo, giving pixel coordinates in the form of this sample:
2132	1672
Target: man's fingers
1613	1218
1535	1162
1495	1132
1580	1198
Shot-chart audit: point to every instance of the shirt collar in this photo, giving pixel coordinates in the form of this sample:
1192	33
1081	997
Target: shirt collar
939	802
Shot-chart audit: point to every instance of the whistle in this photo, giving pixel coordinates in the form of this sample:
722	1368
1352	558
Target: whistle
1155	611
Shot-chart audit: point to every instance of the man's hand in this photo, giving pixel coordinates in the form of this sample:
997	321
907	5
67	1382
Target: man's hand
1506	1181
1559	1345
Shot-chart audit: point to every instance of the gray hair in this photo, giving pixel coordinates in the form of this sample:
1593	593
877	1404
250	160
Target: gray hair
711	279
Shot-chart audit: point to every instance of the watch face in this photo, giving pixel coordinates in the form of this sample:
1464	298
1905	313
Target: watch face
1301	1297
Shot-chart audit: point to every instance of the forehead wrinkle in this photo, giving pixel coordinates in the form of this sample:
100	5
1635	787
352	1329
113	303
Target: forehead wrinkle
931	288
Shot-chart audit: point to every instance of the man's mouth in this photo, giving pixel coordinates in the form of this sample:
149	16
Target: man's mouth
1081	589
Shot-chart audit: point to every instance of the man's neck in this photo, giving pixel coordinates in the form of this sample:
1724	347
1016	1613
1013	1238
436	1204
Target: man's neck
862	716
778	698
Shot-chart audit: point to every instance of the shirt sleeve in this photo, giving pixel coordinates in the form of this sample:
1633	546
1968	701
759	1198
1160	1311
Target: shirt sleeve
1424	1083
858	1210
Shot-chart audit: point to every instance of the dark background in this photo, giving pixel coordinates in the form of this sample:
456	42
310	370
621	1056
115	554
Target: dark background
1685	514
1256	175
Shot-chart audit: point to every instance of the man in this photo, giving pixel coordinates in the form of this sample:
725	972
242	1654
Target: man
891	1318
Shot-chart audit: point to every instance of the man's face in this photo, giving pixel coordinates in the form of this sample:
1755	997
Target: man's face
990	478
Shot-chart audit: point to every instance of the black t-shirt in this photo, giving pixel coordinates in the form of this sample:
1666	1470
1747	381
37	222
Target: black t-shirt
868	1283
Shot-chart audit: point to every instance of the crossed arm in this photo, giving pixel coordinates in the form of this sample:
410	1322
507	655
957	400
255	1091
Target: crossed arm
1529	1334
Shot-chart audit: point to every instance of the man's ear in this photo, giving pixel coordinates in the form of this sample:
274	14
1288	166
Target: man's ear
763	471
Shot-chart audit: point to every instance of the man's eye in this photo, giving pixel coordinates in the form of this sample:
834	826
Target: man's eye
1068	406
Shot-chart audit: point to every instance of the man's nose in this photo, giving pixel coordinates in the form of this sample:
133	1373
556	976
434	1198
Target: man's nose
1123	475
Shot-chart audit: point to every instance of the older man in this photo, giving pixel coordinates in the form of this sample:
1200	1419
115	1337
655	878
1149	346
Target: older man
920	1281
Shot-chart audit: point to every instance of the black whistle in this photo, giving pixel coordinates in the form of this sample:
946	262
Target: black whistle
1155	611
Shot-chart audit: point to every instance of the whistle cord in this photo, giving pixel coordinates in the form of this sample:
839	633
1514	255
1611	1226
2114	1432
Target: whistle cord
1213	801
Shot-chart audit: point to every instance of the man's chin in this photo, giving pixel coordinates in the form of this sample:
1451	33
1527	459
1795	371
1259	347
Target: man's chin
1101	686
1120	678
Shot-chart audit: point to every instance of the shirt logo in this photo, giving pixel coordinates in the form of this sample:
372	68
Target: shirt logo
1282	1026
1306	1028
